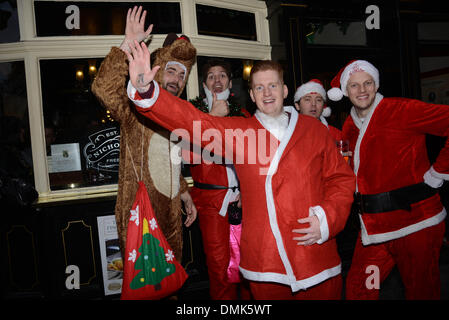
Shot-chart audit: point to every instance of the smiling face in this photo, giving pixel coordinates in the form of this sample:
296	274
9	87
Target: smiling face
361	91
217	79
268	92
173	79
311	104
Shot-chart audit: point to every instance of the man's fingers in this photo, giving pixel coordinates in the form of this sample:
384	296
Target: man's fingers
133	14
136	18
142	18
305	230
130	57
304	220
148	32
128	15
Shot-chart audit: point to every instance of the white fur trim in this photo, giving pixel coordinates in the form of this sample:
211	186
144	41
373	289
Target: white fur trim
145	103
323	121
438	175
224	95
383	237
178	64
230	194
275	125
326	112
296	285
431	180
335	94
307	88
290	277
362	126
318	211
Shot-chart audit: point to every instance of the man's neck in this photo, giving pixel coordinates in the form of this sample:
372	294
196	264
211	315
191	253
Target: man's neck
363	112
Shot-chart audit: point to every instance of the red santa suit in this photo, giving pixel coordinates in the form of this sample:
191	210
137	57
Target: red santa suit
303	175
334	132
212	205
389	151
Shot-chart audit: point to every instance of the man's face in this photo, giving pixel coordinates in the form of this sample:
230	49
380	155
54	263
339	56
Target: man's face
361	90
174	79
217	80
268	92
311	104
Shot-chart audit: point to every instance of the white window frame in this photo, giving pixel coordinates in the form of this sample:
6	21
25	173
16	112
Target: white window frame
31	49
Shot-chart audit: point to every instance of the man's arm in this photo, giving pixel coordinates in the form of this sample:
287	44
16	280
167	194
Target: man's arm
174	113
109	84
430	119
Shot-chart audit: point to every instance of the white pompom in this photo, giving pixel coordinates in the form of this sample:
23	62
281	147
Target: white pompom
335	94
326	112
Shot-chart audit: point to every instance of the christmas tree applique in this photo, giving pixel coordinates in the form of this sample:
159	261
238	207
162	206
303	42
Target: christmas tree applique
153	262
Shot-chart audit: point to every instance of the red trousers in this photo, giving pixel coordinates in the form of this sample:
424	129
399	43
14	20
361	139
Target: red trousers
416	256
215	236
327	290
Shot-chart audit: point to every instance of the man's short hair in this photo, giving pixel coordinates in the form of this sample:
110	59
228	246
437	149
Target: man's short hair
214	63
265	65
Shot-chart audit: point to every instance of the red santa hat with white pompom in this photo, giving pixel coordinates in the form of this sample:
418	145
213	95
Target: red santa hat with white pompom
313	86
341	79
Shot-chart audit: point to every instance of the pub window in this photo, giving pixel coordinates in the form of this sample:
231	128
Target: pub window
9	22
101	18
15	143
221	22
82	139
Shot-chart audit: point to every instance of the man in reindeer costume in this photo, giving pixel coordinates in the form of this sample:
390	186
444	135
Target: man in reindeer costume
145	147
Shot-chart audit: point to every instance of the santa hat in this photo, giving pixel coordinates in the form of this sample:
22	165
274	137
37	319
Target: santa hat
175	50
340	81
313	86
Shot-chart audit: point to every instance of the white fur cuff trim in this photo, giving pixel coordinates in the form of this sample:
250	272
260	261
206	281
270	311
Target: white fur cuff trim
143	103
431	179
324	228
438	175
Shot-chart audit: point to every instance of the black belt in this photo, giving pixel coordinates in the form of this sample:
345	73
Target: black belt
398	199
212	186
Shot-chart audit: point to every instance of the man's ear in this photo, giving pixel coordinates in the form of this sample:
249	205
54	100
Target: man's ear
297	106
285	91
230	84
252	95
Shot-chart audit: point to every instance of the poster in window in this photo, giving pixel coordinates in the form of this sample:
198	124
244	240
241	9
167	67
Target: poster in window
111	258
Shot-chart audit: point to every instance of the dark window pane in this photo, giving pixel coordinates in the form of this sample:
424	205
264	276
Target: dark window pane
82	139
335	32
15	144
102	18
9	22
213	21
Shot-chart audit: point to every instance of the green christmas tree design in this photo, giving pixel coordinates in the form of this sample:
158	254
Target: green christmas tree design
152	261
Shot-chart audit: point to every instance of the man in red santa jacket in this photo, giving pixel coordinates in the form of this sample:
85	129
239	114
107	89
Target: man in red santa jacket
401	215
295	200
310	99
216	186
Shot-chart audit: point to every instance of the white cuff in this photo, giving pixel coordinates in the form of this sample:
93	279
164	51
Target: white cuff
433	178
324	228
143	103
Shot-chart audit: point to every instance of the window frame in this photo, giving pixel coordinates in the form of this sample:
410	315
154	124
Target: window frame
31	49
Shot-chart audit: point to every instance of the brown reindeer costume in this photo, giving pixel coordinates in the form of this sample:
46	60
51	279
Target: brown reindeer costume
144	146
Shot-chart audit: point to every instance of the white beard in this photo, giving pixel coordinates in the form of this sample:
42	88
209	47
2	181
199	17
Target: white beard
224	95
